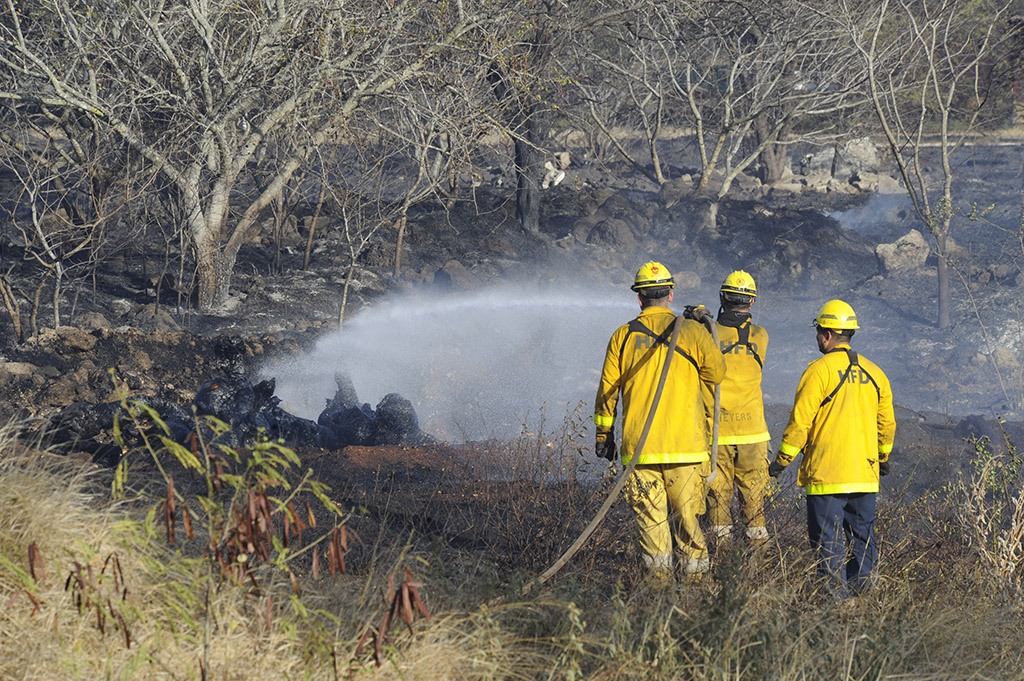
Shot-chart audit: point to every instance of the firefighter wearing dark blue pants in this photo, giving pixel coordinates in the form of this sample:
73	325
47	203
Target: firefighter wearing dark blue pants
843	422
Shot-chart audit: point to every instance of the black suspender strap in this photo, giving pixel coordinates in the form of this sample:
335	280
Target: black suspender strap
637	326
744	339
852	356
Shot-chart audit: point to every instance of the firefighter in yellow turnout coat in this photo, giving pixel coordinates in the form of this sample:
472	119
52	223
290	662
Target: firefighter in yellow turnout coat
743	432
843	421
674	461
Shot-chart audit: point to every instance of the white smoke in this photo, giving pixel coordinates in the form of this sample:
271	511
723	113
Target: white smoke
885	216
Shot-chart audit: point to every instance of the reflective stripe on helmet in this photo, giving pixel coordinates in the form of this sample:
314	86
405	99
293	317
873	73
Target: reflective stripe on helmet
836	314
739	282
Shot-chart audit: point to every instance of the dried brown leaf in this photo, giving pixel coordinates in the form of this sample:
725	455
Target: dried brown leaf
169	507
35	563
419	604
310	516
406	606
186	518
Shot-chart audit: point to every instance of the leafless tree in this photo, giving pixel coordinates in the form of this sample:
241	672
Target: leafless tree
12	305
199	87
929	66
624	84
753	76
741	76
509	76
434	133
362	202
73	184
367	182
530	77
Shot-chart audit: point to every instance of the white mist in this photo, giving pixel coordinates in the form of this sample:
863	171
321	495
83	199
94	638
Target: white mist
475	366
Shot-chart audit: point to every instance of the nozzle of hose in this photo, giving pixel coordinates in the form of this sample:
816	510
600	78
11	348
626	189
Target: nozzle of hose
697	313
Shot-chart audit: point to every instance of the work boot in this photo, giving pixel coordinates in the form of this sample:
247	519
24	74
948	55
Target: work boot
659	578
660	573
757	536
694	577
721	533
694	569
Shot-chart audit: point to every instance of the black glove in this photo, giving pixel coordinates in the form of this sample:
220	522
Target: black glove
883	468
775	468
605	445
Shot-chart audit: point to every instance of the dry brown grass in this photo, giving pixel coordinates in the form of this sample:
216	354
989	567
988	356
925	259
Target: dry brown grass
107	599
92	590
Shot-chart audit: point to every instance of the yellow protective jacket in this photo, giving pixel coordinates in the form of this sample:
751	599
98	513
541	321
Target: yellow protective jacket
742	404
632	368
843	438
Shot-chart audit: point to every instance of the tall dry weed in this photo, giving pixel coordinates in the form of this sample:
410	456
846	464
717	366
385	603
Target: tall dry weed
991	514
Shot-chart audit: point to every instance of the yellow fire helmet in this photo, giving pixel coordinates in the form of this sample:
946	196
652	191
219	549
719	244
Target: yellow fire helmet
739	282
835	314
652	275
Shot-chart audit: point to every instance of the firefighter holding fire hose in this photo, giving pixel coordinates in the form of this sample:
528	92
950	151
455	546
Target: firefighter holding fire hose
844	423
743	432
666	489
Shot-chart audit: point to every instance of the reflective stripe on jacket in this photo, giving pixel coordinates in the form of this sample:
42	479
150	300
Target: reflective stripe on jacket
632	369
742	404
844	439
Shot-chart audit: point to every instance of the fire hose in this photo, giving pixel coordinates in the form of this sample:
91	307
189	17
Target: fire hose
701	315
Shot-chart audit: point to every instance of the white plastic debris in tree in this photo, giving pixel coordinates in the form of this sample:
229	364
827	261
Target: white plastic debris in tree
553	176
